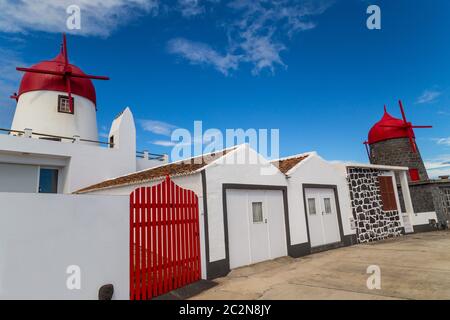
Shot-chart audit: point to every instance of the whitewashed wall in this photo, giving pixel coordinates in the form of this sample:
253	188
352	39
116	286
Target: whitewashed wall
423	218
315	170
41	235
81	164
38	110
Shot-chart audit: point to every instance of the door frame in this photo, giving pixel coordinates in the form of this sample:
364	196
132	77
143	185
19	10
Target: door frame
338	211
227	186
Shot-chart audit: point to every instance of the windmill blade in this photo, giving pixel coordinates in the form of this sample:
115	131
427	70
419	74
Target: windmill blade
66	55
402	111
394	126
413	144
69	93
32	70
422	127
88	76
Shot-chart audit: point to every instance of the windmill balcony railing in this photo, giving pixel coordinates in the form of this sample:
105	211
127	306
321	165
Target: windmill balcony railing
28	133
150	156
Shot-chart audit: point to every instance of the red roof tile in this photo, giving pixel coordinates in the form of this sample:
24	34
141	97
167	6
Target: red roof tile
285	165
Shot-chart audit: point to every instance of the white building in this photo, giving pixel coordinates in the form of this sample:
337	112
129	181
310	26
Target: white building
252	211
53	145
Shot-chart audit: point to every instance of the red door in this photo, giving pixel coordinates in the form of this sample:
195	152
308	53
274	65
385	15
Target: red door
164	240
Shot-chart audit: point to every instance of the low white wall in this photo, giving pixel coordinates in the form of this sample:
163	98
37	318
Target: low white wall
423	218
42	235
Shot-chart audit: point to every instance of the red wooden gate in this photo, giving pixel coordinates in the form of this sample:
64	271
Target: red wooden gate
164	240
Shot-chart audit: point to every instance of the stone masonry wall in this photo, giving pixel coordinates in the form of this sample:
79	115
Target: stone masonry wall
397	152
428	197
372	222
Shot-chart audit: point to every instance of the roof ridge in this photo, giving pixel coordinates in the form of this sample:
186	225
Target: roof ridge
187	167
295	156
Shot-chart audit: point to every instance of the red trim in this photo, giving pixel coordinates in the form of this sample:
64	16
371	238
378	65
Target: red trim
414	174
59	75
392	128
164	240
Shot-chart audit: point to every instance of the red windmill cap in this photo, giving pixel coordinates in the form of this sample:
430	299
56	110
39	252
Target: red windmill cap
38	81
388	128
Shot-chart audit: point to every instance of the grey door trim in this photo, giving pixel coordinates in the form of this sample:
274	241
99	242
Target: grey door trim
226	187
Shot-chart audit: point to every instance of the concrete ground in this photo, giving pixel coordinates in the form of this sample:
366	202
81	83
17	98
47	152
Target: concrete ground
412	267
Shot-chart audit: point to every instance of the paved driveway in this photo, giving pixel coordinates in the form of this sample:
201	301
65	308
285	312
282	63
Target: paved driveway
412	267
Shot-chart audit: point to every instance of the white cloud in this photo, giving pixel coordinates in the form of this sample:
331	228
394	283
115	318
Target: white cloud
98	17
439	166
157	127
189	8
429	96
443	141
256	35
257	30
200	53
164	143
436	173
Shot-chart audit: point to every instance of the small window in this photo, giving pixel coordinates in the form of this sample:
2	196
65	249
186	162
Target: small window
387	193
48	181
312	206
64	105
414	174
327	205
257	212
111	142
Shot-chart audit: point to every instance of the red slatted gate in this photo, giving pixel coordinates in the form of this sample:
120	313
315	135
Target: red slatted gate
164	240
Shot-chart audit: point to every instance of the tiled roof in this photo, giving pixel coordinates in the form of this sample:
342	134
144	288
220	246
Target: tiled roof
284	165
184	167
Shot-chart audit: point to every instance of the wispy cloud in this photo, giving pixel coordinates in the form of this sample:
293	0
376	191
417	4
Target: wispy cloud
164	143
428	96
99	17
256	35
257	30
201	53
443	141
157	127
191	8
438	166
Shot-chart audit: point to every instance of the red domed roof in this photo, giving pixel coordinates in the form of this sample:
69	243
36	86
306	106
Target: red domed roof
388	128
39	81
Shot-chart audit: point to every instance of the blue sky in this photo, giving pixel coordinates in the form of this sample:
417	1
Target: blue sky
311	69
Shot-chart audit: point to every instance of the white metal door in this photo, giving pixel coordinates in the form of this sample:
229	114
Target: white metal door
238	228
314	218
322	217
258	222
329	216
276	224
256	226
